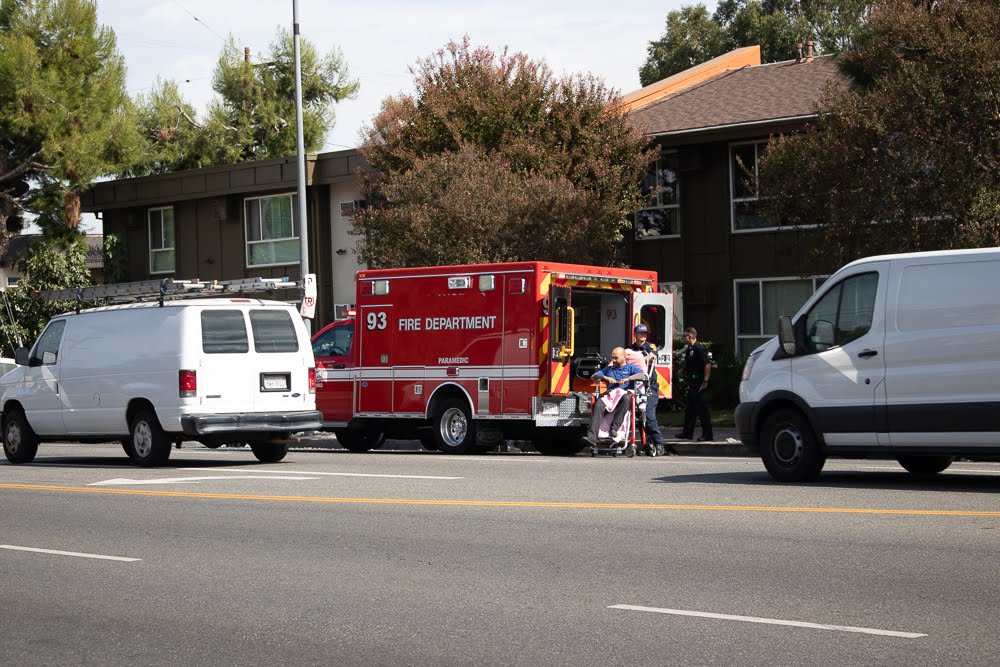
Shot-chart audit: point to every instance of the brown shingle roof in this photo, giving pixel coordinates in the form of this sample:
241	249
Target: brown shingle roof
747	95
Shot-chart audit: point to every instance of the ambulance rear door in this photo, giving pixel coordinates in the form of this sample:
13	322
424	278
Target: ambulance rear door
656	311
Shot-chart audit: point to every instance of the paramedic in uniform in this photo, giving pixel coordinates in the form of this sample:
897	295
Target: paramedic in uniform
698	367
641	344
618	374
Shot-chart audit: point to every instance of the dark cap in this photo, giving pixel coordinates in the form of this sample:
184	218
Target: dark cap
641	328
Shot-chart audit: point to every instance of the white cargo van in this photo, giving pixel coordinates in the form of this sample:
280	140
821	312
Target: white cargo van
213	370
896	356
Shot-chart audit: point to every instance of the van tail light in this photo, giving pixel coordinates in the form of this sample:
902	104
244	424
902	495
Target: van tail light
187	384
312	380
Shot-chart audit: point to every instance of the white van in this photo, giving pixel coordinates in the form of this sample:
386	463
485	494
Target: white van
896	356
213	370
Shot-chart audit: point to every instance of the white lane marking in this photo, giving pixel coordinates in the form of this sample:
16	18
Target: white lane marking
186	480
951	470
499	458
770	621
331	474
68	553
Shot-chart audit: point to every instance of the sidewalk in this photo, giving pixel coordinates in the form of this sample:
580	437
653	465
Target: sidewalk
727	443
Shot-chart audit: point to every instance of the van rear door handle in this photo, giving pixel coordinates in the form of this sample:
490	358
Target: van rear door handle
864	354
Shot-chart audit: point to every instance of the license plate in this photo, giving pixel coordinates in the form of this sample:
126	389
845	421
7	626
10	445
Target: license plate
274	382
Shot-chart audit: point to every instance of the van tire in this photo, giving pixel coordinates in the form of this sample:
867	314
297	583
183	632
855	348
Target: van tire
454	428
149	445
20	444
359	441
789	449
924	466
267	452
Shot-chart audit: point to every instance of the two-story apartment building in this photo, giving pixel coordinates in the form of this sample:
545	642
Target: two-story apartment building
733	271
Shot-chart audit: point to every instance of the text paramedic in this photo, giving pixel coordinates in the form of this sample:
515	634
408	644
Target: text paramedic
450	323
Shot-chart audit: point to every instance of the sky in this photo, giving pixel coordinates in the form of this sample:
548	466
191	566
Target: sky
381	39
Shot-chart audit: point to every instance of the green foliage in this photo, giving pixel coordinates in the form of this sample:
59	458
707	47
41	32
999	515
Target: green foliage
115	259
46	264
906	157
65	117
692	36
727	371
253	117
494	159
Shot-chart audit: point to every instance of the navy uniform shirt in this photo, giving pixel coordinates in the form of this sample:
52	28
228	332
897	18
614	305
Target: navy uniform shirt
696	357
648	348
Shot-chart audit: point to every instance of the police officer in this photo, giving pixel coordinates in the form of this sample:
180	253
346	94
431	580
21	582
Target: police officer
641	343
698	367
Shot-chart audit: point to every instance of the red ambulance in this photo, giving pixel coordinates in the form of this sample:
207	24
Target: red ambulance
463	357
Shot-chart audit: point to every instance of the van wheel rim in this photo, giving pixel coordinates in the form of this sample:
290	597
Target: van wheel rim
454	427
142	439
787	445
13	438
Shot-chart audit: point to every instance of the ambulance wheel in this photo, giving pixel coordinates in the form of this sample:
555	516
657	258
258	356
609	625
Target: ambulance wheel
454	429
20	444
267	452
924	466
359	441
149	444
789	448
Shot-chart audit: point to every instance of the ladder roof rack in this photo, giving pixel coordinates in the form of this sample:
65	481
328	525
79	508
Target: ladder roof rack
166	289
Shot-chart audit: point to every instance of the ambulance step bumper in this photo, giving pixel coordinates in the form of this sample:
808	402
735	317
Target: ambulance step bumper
288	422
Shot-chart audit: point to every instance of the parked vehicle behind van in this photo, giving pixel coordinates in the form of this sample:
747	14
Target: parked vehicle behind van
895	356
212	370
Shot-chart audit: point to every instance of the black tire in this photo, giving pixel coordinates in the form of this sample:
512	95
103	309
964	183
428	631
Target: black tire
149	445
267	452
127	446
20	444
359	441
789	449
454	428
924	466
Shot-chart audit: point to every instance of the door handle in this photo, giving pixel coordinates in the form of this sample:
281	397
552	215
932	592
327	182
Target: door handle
864	354
339	365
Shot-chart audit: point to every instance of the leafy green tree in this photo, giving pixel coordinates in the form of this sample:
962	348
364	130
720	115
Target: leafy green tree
692	37
777	26
46	263
253	117
494	159
65	117
907	155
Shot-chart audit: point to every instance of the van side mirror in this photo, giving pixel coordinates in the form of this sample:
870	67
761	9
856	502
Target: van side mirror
21	356
786	335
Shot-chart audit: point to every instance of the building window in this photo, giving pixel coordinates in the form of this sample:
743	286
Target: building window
661	187
161	240
272	228
12	280
759	302
743	168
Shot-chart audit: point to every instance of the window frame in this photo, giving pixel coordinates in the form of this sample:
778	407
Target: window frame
734	200
817	282
296	229
165	249
676	206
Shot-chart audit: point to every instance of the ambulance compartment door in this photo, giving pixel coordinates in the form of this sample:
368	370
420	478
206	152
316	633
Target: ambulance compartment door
561	339
375	356
656	311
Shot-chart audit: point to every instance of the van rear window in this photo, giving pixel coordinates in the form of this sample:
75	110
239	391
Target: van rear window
223	332
273	331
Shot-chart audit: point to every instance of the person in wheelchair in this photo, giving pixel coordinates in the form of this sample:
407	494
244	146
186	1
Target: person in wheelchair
618	374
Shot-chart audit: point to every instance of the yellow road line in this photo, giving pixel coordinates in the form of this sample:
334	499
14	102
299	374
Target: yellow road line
495	503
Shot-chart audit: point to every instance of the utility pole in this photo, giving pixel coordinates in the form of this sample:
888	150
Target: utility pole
309	285
300	149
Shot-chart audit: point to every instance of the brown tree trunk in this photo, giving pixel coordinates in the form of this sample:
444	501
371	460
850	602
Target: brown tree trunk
71	202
